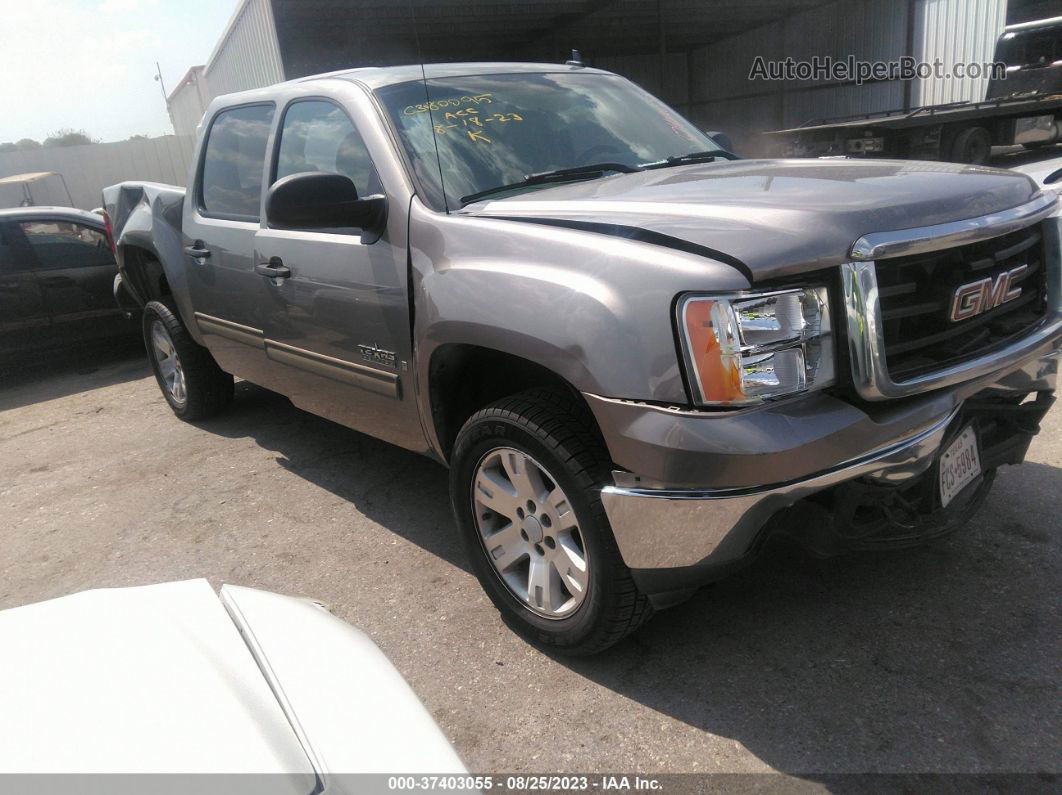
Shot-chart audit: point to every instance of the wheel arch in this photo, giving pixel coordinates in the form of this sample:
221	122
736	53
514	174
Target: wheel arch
147	277
463	378
143	273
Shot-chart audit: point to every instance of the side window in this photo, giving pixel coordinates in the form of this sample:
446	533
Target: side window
233	163
64	244
8	256
318	136
1040	51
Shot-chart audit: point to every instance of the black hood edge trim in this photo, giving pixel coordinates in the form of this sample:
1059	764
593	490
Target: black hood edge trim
639	234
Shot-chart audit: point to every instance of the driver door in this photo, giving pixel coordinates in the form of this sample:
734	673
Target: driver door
337	321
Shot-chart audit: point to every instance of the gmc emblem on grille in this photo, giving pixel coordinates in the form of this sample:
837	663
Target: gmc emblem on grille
974	298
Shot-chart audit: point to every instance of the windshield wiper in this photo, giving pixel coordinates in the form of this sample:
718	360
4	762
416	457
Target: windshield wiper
693	157
592	171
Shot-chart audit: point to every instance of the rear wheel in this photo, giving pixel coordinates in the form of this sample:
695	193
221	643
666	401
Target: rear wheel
971	145
525	482
190	379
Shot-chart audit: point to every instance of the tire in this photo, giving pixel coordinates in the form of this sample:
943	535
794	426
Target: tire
555	432
190	379
971	145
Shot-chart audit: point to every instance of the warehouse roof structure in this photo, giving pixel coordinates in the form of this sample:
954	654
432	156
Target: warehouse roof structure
696	54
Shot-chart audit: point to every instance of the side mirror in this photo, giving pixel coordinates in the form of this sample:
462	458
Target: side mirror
721	138
320	200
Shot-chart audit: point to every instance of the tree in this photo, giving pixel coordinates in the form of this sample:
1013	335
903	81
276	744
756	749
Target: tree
69	137
138	137
20	145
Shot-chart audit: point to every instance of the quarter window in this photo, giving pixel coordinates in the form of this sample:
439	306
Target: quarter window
318	136
233	163
64	244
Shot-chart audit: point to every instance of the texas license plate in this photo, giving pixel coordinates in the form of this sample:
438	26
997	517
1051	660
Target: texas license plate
959	465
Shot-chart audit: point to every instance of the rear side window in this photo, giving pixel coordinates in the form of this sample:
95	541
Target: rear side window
64	244
231	185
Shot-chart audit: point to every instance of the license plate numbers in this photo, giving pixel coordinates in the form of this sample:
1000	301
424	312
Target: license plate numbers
959	465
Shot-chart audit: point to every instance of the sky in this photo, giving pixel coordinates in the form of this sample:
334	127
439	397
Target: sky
90	64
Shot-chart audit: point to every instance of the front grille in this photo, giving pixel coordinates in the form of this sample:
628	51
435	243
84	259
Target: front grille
916	291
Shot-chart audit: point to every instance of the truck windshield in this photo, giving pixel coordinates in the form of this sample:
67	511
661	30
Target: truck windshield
494	130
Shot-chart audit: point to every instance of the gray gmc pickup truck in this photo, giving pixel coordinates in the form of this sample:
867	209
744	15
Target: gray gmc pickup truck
638	355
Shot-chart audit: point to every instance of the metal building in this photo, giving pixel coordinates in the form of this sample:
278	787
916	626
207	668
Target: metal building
246	56
696	54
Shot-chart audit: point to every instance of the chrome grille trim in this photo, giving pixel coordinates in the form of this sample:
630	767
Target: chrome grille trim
865	327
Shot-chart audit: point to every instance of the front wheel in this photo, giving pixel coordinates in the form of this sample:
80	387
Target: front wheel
190	379
525	482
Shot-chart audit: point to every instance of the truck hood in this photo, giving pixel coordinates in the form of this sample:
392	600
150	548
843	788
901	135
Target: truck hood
771	218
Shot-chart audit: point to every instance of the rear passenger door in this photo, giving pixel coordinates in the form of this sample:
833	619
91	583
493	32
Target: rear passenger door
75	269
23	318
221	217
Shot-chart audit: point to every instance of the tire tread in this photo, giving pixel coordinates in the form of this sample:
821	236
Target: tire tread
210	389
565	426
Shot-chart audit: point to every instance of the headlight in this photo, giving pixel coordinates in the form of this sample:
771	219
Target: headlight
748	348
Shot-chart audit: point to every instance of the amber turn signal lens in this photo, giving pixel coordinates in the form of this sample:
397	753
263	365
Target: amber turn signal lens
749	347
717	372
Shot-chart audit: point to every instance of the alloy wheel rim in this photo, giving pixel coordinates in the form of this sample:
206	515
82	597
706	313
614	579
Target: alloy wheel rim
530	533
169	364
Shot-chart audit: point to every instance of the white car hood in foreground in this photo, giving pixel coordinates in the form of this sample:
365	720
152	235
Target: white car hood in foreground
158	679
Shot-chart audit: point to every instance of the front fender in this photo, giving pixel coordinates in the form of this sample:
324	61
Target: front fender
594	309
568	324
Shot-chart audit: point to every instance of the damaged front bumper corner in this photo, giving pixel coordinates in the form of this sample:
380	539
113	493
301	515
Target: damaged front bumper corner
677	537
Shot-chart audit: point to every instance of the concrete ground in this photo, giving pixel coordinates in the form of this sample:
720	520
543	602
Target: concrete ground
939	659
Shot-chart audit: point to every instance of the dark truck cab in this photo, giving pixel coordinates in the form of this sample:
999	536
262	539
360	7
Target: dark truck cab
638	355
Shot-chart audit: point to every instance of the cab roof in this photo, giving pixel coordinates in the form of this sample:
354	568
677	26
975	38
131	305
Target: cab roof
374	77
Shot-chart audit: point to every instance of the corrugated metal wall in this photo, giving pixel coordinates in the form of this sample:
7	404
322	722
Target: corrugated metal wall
188	101
722	96
247	56
872	30
956	31
89	169
186	109
645	71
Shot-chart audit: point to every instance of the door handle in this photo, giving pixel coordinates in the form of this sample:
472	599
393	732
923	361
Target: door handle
275	269
198	251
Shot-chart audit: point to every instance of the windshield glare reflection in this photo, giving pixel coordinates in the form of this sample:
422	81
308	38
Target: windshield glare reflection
494	130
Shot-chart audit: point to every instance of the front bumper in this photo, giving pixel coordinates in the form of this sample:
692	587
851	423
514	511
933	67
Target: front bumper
673	534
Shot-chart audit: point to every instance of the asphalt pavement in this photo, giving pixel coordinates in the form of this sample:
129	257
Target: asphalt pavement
943	659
